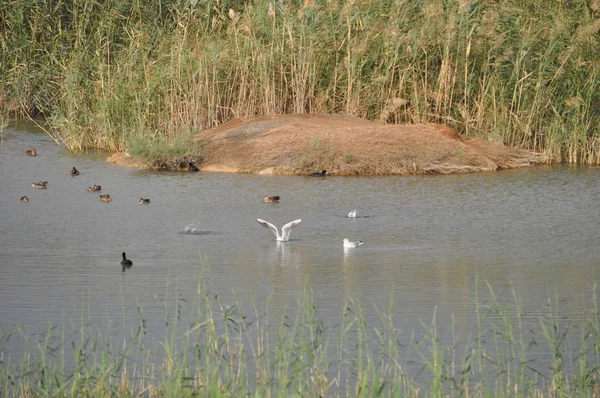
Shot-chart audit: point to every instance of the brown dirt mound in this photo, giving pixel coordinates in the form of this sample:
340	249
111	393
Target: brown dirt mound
124	159
347	145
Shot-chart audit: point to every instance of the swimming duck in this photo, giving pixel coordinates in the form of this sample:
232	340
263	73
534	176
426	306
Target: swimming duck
31	152
353	213
105	198
144	201
192	167
321	174
271	199
24	199
126	263
95	188
40	185
74	172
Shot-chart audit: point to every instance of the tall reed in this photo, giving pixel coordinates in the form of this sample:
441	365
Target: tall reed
117	75
210	347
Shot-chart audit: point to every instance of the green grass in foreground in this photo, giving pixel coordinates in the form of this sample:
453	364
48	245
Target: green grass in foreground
113	73
225	351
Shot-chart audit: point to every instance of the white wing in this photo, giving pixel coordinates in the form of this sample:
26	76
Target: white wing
270	226
287	228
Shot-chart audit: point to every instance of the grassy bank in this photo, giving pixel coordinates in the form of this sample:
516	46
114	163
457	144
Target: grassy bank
225	349
134	75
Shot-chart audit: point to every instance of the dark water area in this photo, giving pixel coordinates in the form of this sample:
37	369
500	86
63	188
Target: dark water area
427	240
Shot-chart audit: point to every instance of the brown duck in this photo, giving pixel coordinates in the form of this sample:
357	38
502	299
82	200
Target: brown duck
40	185
271	199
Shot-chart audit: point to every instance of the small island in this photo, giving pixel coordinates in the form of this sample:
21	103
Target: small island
344	145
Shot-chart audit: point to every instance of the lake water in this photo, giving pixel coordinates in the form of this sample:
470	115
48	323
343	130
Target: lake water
427	239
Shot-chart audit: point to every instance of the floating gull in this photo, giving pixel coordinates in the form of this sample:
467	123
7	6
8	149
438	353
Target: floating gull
349	244
285	231
353	214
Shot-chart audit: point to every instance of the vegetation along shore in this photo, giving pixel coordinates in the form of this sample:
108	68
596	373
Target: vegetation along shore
210	348
143	77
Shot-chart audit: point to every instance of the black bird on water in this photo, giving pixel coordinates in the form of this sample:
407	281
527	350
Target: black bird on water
126	263
321	174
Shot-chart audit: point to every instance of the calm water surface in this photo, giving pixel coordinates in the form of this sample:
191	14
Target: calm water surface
427	239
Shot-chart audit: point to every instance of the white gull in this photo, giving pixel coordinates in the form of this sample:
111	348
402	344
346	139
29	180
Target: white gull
349	244
353	214
285	231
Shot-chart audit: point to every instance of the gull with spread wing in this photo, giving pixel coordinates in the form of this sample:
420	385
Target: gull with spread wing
285	231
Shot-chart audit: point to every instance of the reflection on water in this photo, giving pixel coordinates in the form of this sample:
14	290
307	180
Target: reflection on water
426	239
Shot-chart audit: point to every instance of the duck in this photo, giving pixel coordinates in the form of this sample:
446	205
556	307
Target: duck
271	199
40	185
321	174
74	172
31	152
349	244
95	188
192	167
105	198
126	263
144	201
24	199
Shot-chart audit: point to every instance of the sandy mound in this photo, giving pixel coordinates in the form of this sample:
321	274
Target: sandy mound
124	159
347	145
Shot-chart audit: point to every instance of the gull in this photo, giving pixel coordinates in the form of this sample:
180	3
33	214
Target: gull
285	231
349	244
353	214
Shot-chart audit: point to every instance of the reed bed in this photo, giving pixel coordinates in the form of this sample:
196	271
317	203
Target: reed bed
121	75
212	348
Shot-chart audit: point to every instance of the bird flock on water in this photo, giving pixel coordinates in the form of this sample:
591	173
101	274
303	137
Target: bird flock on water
283	236
126	263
